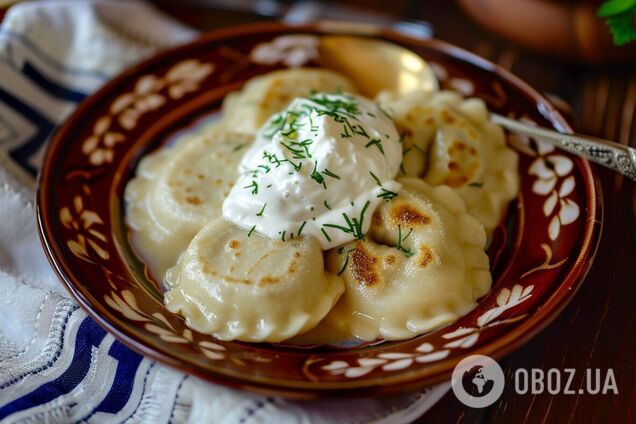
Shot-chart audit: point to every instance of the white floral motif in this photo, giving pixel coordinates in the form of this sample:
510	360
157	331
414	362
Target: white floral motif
554	181
466	337
390	361
126	304
463	338
82	220
99	146
291	50
149	93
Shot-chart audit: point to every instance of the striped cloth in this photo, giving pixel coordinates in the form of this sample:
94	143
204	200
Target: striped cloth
56	364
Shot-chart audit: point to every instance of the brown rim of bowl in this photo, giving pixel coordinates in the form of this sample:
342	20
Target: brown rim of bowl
437	372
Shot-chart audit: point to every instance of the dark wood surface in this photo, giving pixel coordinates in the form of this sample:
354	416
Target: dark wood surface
597	329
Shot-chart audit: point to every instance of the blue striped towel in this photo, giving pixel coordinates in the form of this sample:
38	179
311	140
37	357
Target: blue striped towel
56	364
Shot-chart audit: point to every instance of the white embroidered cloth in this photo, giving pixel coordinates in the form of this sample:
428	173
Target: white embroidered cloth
56	364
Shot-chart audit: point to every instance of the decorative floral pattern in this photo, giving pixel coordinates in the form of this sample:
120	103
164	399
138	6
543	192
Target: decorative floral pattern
126	304
554	181
290	50
463	337
149	94
144	96
82	221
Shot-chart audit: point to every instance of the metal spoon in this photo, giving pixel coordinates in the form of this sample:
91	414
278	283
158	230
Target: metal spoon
377	65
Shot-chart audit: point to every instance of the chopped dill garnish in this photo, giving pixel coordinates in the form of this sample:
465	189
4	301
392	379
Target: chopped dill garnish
387	194
239	147
384	194
262	210
371	114
407	252
341	250
300	230
315	175
327	205
283	236
251	231
377	143
325	234
477	184
377	180
402	170
353	225
253	186
383	111
418	148
331	174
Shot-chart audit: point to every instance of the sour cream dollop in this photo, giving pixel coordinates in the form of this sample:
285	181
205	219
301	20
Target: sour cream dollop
318	168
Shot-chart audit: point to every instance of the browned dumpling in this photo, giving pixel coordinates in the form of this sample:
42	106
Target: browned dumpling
240	286
420	266
449	140
177	191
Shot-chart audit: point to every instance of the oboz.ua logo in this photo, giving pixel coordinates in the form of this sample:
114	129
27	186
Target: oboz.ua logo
478	381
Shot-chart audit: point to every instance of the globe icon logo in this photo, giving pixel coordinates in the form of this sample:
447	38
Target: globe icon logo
477	381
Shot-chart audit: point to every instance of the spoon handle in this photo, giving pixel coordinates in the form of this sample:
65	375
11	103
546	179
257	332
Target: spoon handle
607	153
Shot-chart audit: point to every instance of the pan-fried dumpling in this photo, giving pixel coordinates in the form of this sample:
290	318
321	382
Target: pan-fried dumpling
261	97
241	286
422	265
449	140
414	115
489	191
179	189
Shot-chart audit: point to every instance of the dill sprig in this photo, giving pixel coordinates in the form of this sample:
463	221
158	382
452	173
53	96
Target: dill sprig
377	143
315	175
251	231
352	225
387	194
253	186
407	252
262	210
384	194
341	250
330	174
239	147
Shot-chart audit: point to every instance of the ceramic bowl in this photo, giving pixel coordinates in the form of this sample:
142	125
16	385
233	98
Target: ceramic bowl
539	255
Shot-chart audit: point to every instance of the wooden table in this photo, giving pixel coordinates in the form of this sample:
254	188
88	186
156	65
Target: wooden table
597	329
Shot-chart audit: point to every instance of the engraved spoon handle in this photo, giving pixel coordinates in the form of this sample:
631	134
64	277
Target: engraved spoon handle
607	153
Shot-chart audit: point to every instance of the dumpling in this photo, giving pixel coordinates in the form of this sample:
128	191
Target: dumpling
240	286
178	189
450	140
421	266
470	155
261	97
414	117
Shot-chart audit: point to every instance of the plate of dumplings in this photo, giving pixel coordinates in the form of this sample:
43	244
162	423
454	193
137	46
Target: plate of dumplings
238	210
